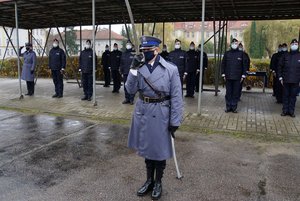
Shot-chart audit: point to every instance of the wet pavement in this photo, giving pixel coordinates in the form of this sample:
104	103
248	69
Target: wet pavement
47	157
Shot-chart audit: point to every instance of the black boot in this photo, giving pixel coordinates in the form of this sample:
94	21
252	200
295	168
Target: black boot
157	190
149	184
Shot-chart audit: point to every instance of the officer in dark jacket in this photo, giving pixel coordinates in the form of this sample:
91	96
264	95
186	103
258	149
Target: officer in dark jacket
178	58
234	66
115	60
105	61
241	48
191	67
126	61
274	69
86	68
289	76
57	64
164	53
205	65
279	87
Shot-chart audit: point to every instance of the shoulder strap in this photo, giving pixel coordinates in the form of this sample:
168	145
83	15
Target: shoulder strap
157	92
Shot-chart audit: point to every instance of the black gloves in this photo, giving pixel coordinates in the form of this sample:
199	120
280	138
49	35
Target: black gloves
137	61
32	71
172	130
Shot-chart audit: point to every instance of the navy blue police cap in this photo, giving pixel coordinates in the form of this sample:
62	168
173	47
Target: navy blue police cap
294	41
149	41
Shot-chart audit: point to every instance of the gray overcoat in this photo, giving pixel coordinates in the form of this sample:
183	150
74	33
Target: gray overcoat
149	133
28	65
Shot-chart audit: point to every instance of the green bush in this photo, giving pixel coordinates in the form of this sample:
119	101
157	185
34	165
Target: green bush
10	68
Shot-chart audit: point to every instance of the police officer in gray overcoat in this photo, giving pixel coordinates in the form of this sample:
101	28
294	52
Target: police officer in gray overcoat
157	115
28	67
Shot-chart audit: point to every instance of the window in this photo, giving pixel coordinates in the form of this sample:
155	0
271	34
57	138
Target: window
193	34
187	34
235	34
12	52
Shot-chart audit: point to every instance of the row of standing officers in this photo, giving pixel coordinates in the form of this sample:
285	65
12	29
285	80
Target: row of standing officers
116	65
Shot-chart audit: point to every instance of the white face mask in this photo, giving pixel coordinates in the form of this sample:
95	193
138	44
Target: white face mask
241	49
284	49
192	47
294	47
234	46
128	47
55	44
107	49
164	49
279	49
87	46
115	48
177	46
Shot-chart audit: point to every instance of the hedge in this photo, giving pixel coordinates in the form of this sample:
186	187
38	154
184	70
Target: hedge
10	69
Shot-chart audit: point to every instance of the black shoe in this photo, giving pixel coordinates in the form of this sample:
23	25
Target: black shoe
131	103
157	191
125	102
293	115
234	111
60	96
55	96
31	94
187	96
115	91
283	114
227	110
28	94
84	98
147	187
89	99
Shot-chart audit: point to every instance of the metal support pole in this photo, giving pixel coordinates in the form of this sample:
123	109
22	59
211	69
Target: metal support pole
153	28
80	37
163	33
11	32
18	54
226	35
201	56
215	58
9	39
37	42
136	43
66	39
109	37
215	33
127	32
42	61
143	28
94	52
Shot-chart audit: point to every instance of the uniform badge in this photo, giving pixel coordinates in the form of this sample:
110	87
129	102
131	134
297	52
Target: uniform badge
239	58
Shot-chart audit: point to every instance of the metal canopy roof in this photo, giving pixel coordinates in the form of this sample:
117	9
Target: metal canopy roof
49	13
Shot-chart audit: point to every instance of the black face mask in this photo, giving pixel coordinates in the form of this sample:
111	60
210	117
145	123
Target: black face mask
149	56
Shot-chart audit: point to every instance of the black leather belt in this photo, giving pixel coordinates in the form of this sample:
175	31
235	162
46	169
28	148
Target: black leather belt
153	100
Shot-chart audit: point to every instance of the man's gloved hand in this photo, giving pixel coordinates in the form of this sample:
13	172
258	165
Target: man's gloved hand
79	70
32	71
172	130
137	61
